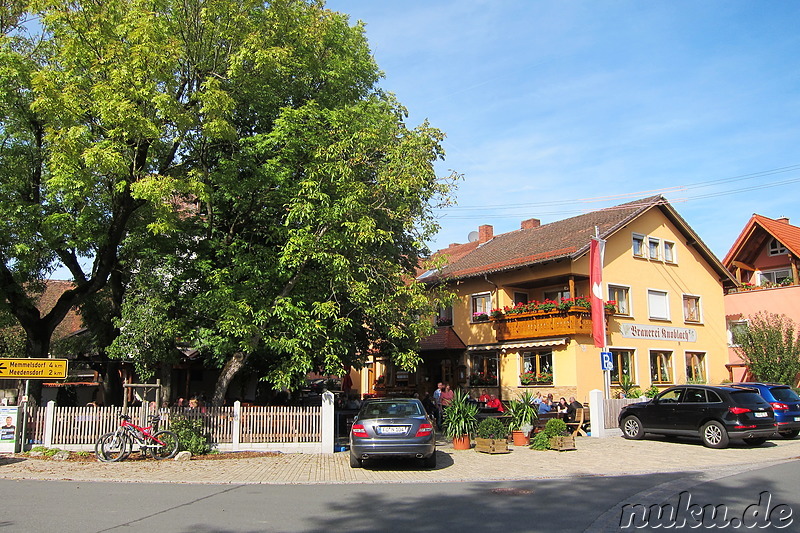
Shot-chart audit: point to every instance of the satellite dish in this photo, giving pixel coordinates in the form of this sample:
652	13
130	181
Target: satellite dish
473	236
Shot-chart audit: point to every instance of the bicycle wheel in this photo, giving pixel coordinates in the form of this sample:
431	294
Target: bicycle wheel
112	447
166	450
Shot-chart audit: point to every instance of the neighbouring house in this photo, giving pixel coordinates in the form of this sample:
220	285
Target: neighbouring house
519	322
764	262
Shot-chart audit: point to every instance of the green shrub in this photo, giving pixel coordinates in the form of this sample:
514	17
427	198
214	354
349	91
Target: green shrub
651	392
540	442
492	428
190	435
47	452
553	428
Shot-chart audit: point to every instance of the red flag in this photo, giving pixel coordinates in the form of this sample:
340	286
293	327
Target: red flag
596	250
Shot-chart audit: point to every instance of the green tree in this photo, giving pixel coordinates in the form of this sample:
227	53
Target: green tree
770	345
302	249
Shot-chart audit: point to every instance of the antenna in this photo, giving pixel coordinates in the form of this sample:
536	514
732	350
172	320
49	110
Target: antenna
473	236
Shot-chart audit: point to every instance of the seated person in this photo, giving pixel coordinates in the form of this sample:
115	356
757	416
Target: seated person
495	403
544	407
562	406
572	408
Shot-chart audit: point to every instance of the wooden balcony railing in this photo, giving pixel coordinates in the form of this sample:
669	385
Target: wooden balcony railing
543	324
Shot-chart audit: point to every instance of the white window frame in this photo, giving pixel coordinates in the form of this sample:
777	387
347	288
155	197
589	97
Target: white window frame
669	245
656	248
641	239
627	289
473	307
762	275
776	248
653	292
729	323
686	318
525	294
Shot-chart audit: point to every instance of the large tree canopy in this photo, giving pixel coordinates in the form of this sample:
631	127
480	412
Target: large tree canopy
233	164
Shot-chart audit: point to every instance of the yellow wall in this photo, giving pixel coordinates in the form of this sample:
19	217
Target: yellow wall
577	363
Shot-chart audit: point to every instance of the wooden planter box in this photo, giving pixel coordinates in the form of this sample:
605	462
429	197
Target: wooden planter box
491	445
562	444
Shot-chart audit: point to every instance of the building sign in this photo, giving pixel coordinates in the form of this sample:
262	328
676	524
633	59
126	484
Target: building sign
29	368
658	333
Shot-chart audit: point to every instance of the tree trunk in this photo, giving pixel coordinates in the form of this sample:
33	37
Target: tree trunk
229	371
165	374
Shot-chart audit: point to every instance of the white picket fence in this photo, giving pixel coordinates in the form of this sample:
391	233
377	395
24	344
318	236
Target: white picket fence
235	428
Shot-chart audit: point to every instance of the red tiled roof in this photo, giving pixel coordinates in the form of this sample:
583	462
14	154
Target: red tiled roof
445	338
567	238
784	232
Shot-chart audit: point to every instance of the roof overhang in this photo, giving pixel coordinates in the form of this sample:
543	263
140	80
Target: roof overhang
540	343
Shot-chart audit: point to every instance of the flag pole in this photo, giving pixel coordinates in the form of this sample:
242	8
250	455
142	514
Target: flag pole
598	311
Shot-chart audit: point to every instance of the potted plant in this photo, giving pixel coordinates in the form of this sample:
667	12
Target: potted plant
553	437
490	436
523	413
460	420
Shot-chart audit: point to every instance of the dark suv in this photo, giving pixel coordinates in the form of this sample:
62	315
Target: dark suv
785	403
715	414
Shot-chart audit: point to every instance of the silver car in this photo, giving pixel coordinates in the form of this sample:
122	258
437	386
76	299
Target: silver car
397	427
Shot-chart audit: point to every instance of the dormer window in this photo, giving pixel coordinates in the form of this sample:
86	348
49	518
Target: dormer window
776	248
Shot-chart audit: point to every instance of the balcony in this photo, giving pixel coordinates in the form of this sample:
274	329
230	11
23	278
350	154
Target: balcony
543	324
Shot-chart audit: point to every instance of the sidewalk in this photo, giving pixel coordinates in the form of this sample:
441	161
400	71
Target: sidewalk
594	457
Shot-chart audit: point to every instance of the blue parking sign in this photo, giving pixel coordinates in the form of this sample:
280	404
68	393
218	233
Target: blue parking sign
606	361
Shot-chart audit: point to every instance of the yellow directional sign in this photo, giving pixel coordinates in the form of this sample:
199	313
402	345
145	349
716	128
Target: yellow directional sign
26	368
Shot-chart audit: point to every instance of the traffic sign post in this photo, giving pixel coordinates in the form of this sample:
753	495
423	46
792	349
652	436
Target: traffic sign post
607	364
29	368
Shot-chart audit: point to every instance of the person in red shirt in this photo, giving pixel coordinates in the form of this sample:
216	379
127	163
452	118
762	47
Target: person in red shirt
495	403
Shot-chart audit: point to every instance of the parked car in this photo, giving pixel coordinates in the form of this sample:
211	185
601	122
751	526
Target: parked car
716	414
397	427
785	404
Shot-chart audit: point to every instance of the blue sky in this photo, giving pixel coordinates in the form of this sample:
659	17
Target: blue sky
555	108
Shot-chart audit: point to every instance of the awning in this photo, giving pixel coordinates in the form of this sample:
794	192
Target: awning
514	345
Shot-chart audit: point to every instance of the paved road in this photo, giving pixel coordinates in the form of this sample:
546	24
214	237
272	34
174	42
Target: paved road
547	505
524	490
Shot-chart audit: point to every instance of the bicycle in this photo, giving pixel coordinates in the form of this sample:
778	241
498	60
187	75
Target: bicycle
118	445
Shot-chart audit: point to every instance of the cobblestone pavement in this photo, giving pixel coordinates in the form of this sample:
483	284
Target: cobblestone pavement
594	457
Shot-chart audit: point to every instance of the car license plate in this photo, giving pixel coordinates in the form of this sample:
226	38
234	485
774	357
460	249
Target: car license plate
760	415
392	430
797	419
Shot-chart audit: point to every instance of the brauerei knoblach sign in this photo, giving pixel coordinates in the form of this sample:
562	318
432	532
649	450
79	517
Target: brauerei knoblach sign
658	333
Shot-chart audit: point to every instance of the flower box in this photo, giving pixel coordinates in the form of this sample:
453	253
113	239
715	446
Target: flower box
491	445
562	444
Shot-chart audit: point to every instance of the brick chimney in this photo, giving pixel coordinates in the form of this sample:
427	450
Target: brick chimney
485	233
785	220
530	223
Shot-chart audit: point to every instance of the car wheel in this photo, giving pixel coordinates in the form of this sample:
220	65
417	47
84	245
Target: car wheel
789	433
355	461
430	462
755	441
632	428
714	435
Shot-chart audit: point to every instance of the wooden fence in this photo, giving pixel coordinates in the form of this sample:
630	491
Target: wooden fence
299	429
612	408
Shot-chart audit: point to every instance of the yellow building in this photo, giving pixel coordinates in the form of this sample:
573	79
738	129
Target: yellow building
668	325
